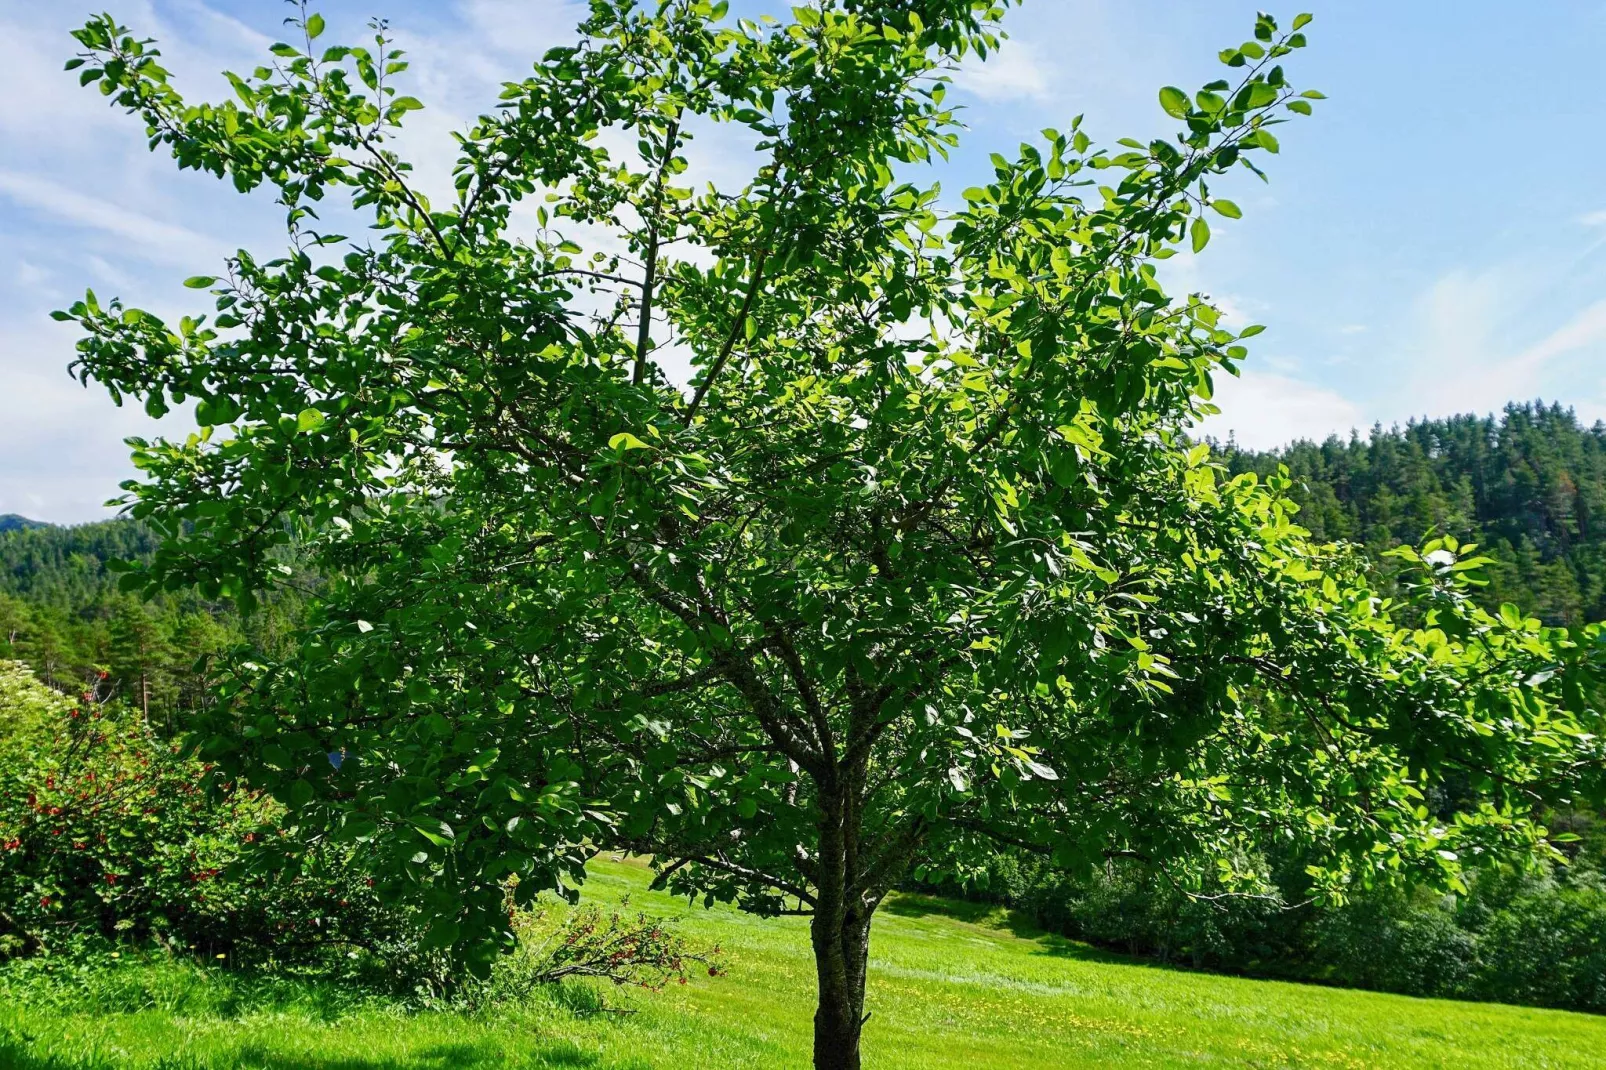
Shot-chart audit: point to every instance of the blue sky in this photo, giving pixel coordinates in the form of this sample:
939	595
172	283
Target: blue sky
1433	241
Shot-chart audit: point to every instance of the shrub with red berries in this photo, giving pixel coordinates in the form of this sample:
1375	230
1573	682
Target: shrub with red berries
108	829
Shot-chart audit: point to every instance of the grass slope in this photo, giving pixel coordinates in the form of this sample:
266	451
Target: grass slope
951	988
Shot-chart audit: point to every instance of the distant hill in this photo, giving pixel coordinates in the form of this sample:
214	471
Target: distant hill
65	567
13	522
1529	486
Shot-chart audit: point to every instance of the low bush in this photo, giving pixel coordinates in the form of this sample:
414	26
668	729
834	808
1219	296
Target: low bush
108	837
619	946
1512	938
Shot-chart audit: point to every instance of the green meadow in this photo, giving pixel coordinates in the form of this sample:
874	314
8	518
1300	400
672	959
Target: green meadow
953	986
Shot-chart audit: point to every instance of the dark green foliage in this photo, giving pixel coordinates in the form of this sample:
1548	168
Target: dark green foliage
13	522
1389	943
61	612
1528	486
65	567
108	835
1512	938
1547	946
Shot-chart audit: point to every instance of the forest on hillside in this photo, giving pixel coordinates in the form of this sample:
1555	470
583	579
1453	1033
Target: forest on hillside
1528	486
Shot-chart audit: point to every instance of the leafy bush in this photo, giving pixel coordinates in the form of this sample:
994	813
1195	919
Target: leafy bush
1547	947
1384	943
1512	938
107	834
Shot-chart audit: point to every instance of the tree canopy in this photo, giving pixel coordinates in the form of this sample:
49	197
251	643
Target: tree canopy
921	557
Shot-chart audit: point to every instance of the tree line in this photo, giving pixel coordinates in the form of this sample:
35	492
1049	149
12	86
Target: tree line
1528	486
61	612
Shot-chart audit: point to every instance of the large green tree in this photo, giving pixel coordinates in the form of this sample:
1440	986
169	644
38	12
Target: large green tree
919	559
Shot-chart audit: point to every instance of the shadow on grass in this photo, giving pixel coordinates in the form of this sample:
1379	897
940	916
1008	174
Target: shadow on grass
1013	922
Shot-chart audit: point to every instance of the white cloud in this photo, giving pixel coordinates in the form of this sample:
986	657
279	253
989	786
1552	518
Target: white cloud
1262	410
1594	219
522	27
44	101
150	238
224	29
31	276
1467	352
1585	329
63	443
1014	72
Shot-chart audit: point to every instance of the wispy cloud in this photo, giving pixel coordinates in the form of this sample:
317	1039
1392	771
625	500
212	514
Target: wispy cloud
1263	410
1471	347
63	443
1594	219
525	28
1586	329
1014	72
149	238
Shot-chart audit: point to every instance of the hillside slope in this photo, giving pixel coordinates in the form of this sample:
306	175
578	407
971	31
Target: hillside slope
951	988
13	522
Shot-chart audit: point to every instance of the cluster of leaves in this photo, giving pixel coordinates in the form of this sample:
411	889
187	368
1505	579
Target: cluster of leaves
106	831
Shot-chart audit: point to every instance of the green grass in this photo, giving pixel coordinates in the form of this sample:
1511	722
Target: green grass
952	987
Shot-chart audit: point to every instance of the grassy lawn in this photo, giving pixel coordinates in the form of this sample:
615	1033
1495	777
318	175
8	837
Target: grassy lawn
950	988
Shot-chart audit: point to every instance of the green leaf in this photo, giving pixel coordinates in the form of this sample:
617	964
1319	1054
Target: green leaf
308	420
314	25
300	792
1227	208
624	440
1175	102
209	412
200	282
443	838
1200	233
1302	20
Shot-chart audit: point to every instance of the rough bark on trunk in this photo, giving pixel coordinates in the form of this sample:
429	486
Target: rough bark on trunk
840	933
840	959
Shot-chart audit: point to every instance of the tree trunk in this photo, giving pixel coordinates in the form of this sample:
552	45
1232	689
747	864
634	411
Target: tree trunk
840	933
841	954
